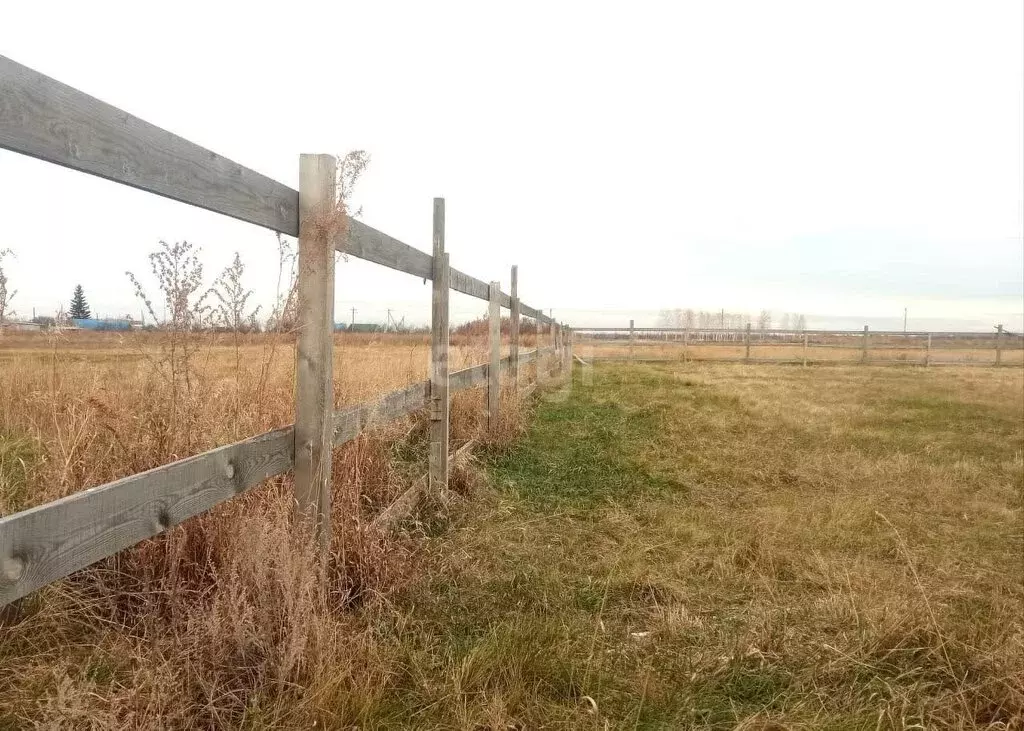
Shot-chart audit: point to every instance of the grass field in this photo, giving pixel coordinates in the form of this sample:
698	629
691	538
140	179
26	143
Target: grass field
673	546
722	546
890	350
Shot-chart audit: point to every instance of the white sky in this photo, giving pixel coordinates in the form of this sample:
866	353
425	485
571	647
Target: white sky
831	158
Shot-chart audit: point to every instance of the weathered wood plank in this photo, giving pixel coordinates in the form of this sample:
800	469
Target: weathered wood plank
46	543
51	121
527	311
314	379
569	353
350	422
366	242
468	378
513	349
401	507
43	544
439	385
528	357
472	286
494	372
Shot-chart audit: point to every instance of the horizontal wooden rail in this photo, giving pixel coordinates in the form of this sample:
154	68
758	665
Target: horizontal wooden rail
783	361
51	121
476	376
46	543
740	331
43	544
527	311
366	242
350	422
46	119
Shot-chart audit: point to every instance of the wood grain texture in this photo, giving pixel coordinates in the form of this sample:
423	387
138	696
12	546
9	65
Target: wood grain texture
527	357
494	371
314	389
531	312
46	543
43	544
366	242
401	507
472	286
352	421
471	377
513	348
439	385
51	121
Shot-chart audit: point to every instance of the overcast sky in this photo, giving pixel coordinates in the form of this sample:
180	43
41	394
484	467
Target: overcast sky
840	159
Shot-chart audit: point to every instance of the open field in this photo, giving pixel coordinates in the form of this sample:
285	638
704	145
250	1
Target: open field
674	546
85	408
887	350
721	546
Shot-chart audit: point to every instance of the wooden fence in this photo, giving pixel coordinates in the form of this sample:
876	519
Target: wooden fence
48	120
800	346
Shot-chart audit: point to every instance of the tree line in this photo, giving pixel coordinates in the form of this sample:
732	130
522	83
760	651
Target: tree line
721	320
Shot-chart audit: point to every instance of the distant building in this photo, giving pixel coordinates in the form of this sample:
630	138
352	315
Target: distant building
359	327
107	324
20	326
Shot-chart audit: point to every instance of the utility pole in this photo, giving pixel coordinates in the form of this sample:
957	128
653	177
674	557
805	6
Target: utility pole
387	324
904	320
721	320
353	315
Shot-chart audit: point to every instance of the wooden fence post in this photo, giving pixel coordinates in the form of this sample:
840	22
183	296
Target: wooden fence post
805	350
561	350
314	390
746	340
570	336
438	467
494	369
864	347
999	344
541	340
686	344
631	337
513	347
928	351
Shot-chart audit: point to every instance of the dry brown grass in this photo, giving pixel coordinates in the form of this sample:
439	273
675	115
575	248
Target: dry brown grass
218	623
893	352
727	546
688	545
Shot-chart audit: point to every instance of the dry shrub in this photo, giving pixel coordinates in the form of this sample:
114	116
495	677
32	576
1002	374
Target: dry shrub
221	622
216	623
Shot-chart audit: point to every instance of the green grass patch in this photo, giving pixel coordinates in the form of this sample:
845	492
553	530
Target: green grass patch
582	451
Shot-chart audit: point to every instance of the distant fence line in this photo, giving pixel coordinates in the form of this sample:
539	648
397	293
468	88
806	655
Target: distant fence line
48	120
778	346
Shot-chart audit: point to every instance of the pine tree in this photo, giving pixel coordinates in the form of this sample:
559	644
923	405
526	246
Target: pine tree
79	307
